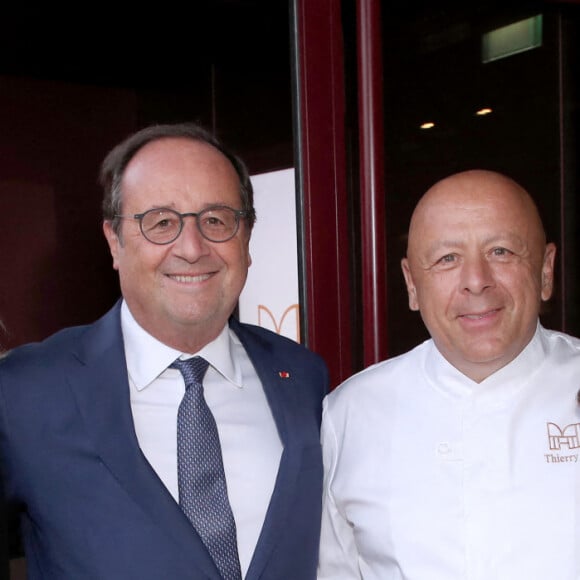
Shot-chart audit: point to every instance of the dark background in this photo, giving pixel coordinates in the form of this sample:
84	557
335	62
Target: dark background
433	71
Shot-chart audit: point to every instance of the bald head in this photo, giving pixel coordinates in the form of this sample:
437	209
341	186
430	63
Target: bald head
476	187
477	268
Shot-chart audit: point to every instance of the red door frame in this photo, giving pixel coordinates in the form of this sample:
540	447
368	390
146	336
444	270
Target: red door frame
372	181
322	179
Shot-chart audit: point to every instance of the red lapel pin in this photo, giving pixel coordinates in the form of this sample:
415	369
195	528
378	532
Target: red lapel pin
284	374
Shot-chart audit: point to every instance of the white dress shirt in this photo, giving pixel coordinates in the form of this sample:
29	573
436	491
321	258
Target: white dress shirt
431	476
251	446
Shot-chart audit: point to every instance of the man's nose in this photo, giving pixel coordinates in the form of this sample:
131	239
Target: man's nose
476	274
190	245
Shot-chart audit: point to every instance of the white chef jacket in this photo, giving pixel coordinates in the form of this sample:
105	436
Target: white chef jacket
432	476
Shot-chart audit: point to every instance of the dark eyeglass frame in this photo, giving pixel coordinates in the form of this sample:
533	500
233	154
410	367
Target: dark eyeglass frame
238	214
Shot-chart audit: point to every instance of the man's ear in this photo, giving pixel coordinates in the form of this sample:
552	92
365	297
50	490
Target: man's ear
548	271
113	241
411	289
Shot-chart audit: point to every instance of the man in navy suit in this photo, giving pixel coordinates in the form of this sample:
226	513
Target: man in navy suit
88	418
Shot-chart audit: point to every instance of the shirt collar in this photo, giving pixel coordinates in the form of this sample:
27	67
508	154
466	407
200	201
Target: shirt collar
500	385
147	357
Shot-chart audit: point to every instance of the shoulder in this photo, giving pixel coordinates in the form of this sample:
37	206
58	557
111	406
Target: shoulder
256	335
365	404
268	349
32	373
380	380
45	352
51	353
560	346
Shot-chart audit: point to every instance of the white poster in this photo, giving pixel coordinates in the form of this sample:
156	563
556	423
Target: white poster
270	297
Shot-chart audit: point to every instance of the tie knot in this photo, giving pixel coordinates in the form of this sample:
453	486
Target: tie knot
192	369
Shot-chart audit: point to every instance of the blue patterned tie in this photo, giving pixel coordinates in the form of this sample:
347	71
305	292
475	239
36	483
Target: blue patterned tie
203	495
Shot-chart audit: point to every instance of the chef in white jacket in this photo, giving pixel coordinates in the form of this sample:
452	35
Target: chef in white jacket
459	460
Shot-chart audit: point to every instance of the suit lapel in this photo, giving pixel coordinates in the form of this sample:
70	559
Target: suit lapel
101	388
278	381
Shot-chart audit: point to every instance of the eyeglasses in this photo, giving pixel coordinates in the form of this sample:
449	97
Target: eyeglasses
162	225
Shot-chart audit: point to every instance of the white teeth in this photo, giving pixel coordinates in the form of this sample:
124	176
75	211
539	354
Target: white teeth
190	279
476	316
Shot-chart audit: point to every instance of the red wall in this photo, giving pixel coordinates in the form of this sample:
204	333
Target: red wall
56	269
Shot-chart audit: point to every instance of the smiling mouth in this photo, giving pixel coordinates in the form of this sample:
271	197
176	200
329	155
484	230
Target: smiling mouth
479	316
189	279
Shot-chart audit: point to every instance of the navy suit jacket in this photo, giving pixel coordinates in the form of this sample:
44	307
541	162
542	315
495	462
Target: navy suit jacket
91	505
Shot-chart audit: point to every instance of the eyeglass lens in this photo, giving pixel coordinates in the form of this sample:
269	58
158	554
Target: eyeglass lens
162	226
